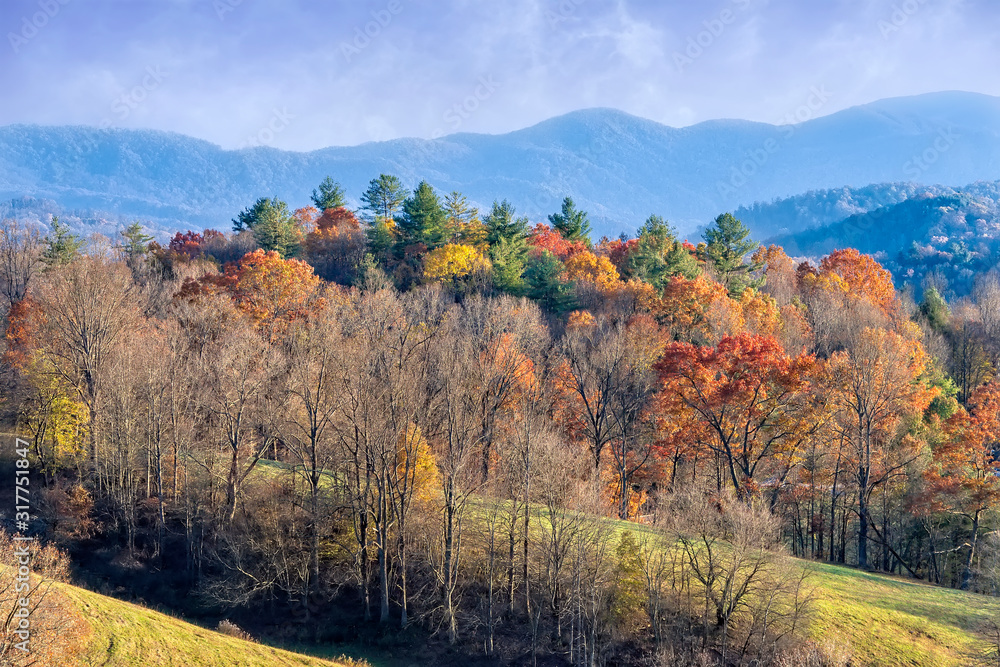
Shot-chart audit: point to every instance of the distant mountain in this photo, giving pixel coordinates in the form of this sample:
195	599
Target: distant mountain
618	167
934	236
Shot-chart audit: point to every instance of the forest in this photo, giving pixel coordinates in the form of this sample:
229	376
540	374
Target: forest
427	422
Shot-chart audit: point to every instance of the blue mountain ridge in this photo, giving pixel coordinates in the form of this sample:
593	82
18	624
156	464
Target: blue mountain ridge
618	167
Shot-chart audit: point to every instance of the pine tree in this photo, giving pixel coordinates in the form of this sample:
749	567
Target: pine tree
424	219
501	223
659	255
330	195
61	246
462	220
383	197
546	283
573	224
728	243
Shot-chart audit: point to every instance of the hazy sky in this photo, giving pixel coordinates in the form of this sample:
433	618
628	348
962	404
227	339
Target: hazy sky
303	74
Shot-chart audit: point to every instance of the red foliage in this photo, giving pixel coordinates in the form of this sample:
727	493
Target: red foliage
544	237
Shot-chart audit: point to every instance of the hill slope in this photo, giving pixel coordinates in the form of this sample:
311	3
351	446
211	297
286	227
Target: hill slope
127	635
619	167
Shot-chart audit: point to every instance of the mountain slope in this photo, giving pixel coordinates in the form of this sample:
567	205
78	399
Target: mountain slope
619	167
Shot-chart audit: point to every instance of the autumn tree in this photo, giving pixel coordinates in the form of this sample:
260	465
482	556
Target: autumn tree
965	476
740	390
20	260
876	385
89	306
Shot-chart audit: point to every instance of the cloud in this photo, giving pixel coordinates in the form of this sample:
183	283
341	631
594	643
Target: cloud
351	72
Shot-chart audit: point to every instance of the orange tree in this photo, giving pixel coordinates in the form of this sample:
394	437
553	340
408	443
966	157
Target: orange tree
739	390
964	478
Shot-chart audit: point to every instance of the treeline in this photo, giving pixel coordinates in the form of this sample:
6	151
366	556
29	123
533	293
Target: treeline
425	417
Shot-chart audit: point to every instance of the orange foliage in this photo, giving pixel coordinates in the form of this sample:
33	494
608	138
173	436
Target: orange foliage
862	276
543	237
739	390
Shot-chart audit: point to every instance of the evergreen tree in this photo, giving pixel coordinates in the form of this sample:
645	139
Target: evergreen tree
273	226
573	224
545	282
330	195
424	219
659	255
61	246
508	257
935	309
728	243
501	223
383	197
462	220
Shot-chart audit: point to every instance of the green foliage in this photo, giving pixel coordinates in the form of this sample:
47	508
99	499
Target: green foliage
546	283
383	197
659	255
61	246
935	309
728	243
424	219
273	226
135	242
461	216
501	223
629	596
508	257
330	195
572	223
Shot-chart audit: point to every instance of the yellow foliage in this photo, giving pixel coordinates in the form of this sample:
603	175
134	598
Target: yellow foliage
453	261
422	471
760	313
588	266
53	417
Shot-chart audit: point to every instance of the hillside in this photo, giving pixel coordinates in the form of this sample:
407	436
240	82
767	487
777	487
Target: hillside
123	634
619	167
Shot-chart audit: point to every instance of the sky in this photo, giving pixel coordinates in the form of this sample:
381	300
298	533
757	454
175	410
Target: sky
302	75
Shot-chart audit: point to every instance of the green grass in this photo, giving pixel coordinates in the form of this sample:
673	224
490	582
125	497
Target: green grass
127	635
896	621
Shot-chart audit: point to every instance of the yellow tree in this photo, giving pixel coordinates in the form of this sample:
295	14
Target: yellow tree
453	262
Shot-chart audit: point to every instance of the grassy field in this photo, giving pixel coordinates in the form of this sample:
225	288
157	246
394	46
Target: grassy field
127	635
894	621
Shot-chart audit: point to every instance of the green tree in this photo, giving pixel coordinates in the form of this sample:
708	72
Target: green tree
659	255
462	220
273	226
61	246
545	281
424	218
572	223
329	195
728	243
501	223
508	257
383	197
935	309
